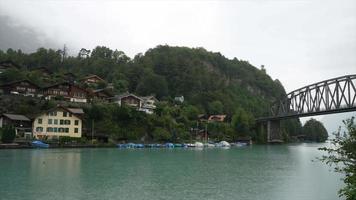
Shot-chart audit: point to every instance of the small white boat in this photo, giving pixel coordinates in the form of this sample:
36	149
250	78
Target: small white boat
223	144
199	145
209	145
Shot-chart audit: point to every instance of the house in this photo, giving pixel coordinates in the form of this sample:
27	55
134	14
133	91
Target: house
5	65
129	100
102	94
92	79
21	123
68	91
148	104
23	87
216	118
60	121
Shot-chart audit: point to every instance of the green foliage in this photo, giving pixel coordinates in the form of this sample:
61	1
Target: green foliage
342	154
315	131
243	122
161	134
8	134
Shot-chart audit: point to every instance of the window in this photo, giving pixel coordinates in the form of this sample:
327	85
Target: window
65	114
61	122
49	129
55	129
49	121
76	122
76	130
55	121
67	130
67	122
61	130
39	121
70	114
52	113
39	129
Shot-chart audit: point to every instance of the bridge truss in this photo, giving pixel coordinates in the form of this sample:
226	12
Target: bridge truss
330	96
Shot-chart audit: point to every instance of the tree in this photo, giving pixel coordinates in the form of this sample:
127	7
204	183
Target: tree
161	134
8	134
242	122
342	154
315	131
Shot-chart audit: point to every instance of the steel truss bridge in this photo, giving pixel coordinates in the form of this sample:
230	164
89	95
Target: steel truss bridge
326	97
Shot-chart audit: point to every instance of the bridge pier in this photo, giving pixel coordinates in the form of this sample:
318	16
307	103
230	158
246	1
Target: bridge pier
273	131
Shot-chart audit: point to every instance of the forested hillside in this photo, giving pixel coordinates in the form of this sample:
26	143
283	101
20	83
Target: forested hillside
209	82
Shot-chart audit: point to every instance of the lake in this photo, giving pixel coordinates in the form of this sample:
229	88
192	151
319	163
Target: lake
257	172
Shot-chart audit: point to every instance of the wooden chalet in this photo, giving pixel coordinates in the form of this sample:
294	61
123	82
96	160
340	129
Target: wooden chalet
129	100
68	91
102	94
23	87
21	123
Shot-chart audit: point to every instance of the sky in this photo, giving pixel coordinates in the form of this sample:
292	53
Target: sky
299	42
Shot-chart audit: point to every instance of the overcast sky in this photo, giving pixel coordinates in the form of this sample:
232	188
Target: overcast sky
299	42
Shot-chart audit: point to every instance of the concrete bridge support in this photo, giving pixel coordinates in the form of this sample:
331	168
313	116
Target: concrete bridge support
273	131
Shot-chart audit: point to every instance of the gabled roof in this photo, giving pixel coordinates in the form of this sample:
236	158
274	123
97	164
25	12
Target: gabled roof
103	90
149	97
92	76
16	117
126	94
14	82
78	111
75	111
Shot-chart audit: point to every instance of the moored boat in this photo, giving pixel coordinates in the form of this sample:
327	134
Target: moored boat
39	144
169	145
198	145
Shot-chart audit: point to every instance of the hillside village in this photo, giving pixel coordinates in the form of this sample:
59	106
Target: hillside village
63	121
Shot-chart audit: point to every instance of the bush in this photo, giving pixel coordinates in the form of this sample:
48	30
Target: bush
8	134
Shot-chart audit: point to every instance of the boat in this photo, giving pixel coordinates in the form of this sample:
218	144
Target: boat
222	144
139	146
209	145
189	145
169	145
39	144
198	145
178	145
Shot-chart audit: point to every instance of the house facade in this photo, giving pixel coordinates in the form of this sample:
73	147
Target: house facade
24	87
148	104
68	91
129	100
57	122
21	123
145	104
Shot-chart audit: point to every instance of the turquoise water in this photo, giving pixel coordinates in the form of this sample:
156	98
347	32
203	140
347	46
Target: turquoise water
250	173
